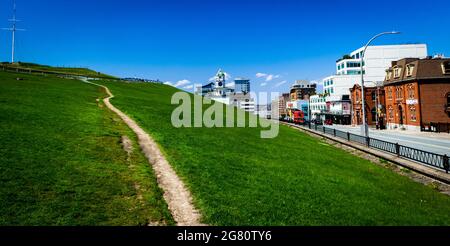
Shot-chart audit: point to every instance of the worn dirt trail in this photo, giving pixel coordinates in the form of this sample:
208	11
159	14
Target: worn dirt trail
177	196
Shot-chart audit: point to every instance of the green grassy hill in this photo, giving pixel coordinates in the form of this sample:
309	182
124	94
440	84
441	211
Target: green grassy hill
62	163
61	159
57	70
237	178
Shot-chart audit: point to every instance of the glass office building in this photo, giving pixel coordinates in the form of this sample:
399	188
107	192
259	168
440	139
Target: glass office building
242	85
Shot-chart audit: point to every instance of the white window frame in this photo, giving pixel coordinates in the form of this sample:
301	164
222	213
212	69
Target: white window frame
445	69
409	70
397	72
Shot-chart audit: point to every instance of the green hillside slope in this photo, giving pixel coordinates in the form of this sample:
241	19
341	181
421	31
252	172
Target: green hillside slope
61	159
237	178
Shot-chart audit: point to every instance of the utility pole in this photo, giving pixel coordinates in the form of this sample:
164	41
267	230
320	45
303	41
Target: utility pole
365	127
13	30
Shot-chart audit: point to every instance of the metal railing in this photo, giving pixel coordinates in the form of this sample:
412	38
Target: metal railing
438	127
419	156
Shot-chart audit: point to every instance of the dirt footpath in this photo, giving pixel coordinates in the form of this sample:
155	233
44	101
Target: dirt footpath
177	196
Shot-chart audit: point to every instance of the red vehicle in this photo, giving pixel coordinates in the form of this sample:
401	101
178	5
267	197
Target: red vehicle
329	122
299	117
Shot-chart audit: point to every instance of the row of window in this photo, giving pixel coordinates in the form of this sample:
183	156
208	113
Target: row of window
318	107
329	90
349	65
412	113
397	71
358	55
318	100
328	82
410	89
353	72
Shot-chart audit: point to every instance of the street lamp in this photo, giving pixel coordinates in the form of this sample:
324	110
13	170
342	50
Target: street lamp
365	127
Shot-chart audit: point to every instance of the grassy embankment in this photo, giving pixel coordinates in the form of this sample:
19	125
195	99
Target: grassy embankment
61	159
36	68
237	178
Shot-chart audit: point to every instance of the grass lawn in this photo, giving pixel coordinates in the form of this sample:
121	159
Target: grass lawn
237	178
61	159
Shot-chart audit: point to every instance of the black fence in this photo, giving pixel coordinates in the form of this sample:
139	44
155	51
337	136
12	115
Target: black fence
420	156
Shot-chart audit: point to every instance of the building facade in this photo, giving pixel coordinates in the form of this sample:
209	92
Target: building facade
377	59
242	101
318	107
339	85
417	93
375	106
280	104
239	96
302	90
348	73
242	85
338	110
293	106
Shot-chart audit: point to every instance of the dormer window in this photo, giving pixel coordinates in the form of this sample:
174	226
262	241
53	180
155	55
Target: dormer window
409	70
397	71
388	75
446	67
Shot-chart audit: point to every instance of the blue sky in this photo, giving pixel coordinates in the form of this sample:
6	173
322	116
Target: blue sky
174	40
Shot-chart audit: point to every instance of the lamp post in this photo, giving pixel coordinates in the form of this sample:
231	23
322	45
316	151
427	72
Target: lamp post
365	127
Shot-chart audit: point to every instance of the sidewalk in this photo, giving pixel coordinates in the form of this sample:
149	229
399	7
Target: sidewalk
443	136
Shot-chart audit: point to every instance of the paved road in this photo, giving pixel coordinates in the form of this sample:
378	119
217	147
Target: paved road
438	144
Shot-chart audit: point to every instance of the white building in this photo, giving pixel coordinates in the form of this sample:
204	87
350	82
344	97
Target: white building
218	91
318	105
339	85
376	60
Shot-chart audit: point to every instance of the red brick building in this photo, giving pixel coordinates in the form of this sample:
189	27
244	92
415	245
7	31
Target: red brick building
417	93
373	96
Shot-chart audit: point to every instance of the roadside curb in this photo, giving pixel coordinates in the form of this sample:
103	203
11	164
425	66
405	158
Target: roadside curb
419	168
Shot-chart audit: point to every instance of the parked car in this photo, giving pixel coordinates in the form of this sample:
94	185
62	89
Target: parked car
317	122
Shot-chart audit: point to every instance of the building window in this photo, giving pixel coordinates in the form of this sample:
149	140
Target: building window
391	113
353	64
413	113
411	91
446	67
388	75
409	70
389	90
374	96
399	92
397	72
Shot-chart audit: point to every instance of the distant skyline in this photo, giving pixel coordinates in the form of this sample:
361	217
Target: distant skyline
273	43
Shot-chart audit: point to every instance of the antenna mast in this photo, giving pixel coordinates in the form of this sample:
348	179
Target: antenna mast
13	30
